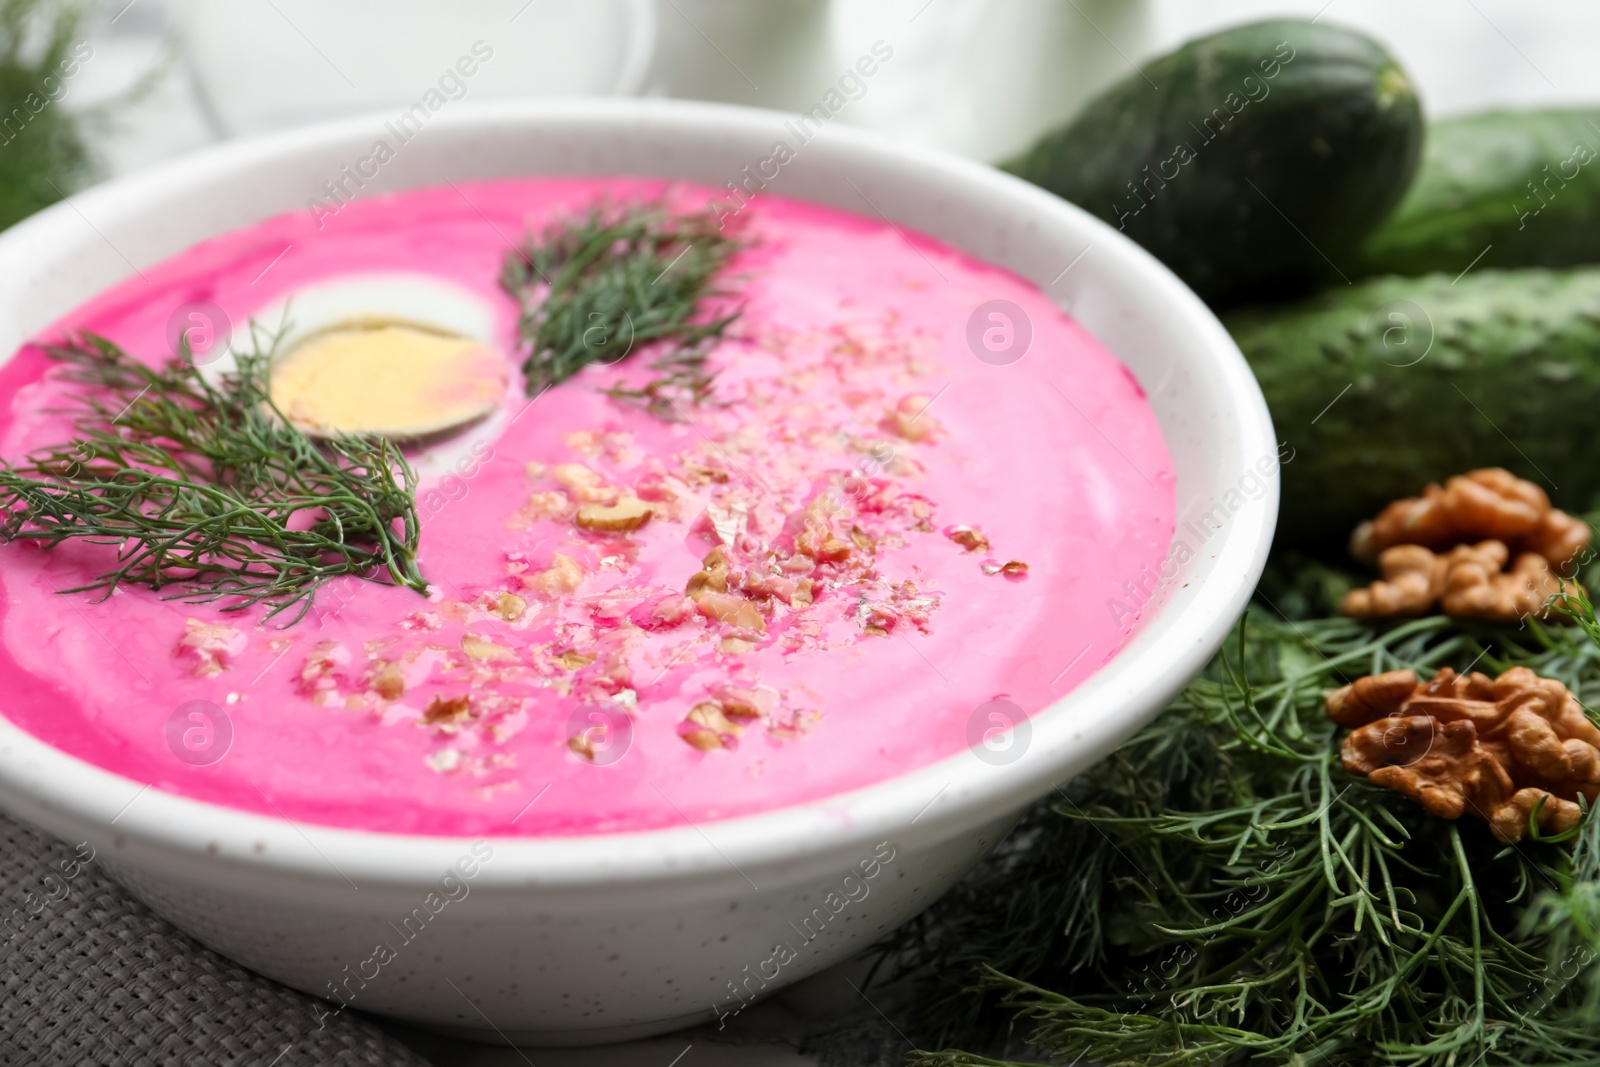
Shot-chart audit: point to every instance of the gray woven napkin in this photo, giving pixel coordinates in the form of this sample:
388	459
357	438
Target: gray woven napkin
88	975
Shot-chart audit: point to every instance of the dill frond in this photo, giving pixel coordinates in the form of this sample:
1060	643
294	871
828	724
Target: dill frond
597	289
44	153
206	487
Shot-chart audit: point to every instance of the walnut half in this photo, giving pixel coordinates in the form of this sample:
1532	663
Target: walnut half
1487	504
1466	744
1468	581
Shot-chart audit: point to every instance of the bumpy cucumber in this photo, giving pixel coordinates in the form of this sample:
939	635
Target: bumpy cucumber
1386	385
1518	188
1249	161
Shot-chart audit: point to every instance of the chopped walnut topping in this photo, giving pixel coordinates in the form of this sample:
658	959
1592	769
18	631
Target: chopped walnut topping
663	613
1488	504
454	610
821	545
698	474
1465	744
655	488
583	484
388	682
572	660
211	646
563	576
627	514
798	564
544	506
444	761
711	715
759	585
711	727
704	740
734	610
422	622
317	673
582	744
510	607
909	418
832	550
968	538
584	442
745	703
712	576
445	710
485	651
1011	569
716	723
593	621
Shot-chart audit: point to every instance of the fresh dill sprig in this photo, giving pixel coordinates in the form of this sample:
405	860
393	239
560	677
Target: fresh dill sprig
1220	891
596	289
44	154
207	487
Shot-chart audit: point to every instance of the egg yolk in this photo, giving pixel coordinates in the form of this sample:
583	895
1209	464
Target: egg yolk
394	380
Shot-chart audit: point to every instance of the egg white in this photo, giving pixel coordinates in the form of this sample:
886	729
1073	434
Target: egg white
404	299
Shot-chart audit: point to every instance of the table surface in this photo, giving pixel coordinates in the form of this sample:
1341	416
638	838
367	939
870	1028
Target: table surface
1463	55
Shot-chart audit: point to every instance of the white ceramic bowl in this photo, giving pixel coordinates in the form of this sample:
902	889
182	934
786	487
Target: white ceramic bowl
588	939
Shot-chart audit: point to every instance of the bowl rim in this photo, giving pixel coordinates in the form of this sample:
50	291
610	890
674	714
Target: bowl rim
68	795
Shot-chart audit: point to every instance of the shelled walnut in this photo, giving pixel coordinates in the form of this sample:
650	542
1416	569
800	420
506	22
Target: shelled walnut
1466	744
1481	505
1467	582
1450	547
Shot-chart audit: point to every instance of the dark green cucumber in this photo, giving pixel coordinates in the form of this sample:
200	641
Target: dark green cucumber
1386	385
1250	161
1518	188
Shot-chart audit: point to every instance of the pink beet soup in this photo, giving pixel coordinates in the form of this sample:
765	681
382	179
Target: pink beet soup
913	540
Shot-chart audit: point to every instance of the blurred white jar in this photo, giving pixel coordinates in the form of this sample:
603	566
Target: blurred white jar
980	78
267	64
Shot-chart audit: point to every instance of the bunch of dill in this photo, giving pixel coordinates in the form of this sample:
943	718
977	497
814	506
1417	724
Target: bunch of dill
203	485
1220	891
43	151
596	289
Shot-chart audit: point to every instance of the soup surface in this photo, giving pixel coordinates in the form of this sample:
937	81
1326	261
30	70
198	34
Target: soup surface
907	514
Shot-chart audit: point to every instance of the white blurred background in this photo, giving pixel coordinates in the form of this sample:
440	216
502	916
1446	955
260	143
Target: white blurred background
976	77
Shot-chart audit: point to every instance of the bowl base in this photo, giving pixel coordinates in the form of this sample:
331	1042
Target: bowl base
600	1035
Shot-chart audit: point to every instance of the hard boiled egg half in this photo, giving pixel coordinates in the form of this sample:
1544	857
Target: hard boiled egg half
404	356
